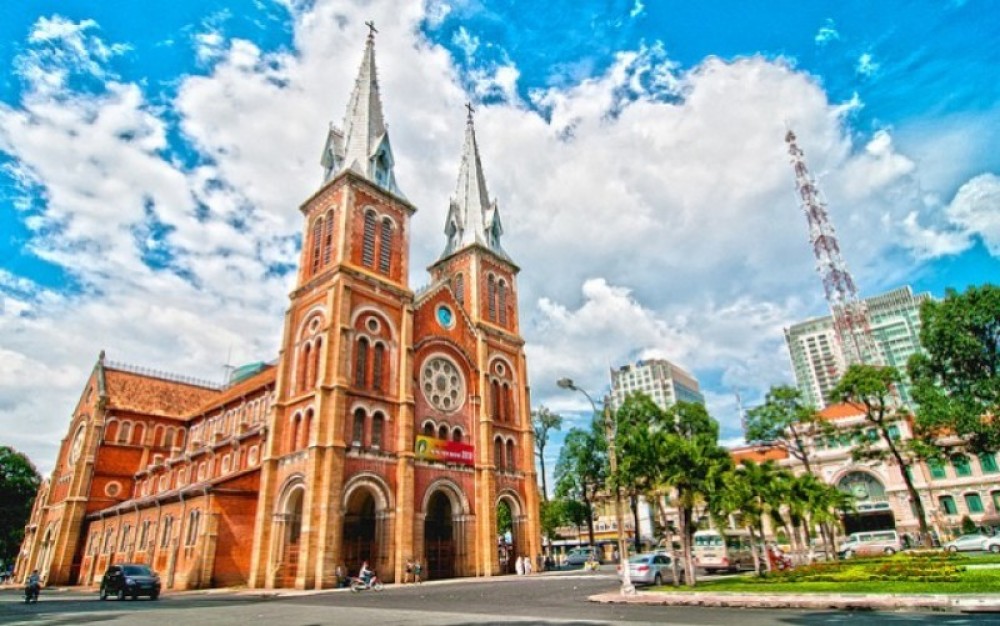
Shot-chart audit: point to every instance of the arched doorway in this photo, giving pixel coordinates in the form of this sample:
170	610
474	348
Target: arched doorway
506	538
291	518
439	537
360	537
872	511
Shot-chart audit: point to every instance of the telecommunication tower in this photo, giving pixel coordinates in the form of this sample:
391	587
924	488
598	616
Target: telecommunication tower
851	321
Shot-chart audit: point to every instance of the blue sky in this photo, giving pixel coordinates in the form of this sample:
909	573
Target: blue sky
152	157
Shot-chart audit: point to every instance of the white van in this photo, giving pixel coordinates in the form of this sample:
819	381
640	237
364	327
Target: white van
728	550
869	543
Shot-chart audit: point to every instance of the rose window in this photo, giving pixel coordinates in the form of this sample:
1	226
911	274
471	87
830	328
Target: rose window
442	385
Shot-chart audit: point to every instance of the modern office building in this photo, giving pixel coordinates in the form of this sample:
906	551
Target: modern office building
660	379
818	363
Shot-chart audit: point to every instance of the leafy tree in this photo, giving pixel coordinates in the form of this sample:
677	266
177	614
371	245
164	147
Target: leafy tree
581	470
674	453
870	388
785	422
544	421
505	520
956	382
553	515
19	481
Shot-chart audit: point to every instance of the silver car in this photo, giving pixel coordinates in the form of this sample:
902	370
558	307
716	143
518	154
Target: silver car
652	569
974	541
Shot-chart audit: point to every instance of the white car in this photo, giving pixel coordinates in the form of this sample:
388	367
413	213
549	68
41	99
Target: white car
579	556
976	541
652	568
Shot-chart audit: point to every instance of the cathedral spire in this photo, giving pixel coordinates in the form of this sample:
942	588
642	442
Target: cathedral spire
362	145
472	217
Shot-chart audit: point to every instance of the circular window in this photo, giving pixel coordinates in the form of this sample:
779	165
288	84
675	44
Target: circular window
372	325
445	317
112	489
501	370
442	384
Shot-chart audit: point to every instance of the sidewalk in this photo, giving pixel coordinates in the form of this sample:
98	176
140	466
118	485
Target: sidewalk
839	601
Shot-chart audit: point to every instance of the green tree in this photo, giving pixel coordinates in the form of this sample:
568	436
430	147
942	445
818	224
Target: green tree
956	381
581	470
786	422
544	421
676	454
871	389
553	515
19	481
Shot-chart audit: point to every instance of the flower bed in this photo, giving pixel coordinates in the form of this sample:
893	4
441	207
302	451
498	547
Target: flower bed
937	567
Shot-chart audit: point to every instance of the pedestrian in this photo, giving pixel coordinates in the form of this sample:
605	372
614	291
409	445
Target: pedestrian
341	575
418	571
408	574
614	555
527	566
519	566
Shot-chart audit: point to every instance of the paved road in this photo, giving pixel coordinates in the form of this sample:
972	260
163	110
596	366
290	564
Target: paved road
557	599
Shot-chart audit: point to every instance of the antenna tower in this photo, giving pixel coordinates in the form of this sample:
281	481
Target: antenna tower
851	321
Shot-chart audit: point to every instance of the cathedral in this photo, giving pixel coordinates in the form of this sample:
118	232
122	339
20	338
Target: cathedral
393	425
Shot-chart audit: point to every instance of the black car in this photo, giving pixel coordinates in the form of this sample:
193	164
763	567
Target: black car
130	579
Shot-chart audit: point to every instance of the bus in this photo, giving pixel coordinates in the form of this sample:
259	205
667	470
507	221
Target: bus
728	550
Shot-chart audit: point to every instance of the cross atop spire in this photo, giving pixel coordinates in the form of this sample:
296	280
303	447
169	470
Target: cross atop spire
472	217
362	145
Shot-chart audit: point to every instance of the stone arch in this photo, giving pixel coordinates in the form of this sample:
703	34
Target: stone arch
513	542
111	431
383	319
445	512
287	532
366	533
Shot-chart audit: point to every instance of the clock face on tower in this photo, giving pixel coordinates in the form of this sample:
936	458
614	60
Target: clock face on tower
77	448
442	384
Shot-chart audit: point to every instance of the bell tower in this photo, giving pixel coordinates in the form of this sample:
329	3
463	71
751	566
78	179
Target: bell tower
483	280
340	394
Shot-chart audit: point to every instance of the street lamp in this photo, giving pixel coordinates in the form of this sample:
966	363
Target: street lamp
627	588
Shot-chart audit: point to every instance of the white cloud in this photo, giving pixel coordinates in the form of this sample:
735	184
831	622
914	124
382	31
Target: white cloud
827	33
651	209
866	65
975	210
637	8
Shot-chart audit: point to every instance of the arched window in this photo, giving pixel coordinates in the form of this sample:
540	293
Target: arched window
139	434
502	296
317	241
511	458
498	453
125	432
378	425
368	243
456	435
361	363
168	529
303	435
328	238
385	247
111	432
357	437
507	401
304	364
495	400
428	430
378	362
443	432
314	363
491	297
293	433
194	517
460	288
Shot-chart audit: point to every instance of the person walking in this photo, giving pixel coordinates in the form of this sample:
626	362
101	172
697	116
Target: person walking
408	573
527	566
519	566
418	571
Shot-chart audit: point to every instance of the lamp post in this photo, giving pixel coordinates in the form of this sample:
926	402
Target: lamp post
627	588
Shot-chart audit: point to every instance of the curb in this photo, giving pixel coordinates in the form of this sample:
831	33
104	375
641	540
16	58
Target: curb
850	602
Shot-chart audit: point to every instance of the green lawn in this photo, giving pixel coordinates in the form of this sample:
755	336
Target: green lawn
856	574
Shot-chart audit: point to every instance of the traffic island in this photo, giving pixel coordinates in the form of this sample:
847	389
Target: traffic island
845	601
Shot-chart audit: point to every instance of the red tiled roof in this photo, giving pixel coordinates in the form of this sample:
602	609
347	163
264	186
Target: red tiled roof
758	453
842	410
140	393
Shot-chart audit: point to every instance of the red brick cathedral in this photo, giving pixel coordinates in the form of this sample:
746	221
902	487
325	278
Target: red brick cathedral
393	425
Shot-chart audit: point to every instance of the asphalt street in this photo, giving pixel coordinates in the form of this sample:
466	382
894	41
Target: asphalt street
548	599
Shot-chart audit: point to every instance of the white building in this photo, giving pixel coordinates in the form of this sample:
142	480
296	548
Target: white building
818	363
659	379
